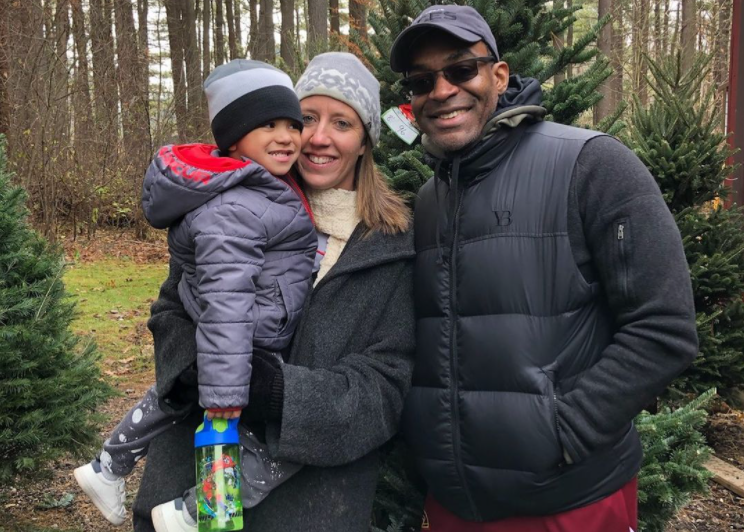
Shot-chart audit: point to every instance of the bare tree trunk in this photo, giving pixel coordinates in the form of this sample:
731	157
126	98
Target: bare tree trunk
604	43
238	28
253	21
640	48
219	35
175	41
298	24
570	40
104	78
83	115
231	37
618	48
83	122
688	32
134	111
193	70
665	31
287	52
333	15
721	54
4	67
265	46
643	65
143	8
358	16
558	43
657	29
206	36
317	31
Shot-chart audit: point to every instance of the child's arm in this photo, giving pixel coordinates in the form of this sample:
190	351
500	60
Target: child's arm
229	243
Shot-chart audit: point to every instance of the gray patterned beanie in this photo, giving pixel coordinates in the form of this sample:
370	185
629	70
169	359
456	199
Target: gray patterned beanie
244	94
343	77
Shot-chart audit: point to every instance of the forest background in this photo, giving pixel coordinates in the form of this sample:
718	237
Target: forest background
91	87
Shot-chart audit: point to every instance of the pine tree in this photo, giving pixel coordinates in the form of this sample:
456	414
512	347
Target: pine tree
525	30
49	385
677	138
674	452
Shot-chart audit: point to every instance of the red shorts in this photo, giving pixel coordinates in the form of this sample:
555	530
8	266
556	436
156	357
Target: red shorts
616	513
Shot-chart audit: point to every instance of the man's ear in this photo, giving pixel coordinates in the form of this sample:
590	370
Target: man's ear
500	72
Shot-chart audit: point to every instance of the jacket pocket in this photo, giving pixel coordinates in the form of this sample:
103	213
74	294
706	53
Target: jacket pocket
553	401
622	249
283	303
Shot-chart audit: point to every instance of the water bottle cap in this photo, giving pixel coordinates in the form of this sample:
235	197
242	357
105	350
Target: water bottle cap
217	432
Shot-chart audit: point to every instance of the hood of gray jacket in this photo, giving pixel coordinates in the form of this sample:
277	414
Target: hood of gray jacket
182	178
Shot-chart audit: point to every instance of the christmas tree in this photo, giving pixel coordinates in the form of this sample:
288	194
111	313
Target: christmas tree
525	32
674	452
678	138
50	385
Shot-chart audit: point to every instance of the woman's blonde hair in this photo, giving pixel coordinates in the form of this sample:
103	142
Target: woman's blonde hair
379	208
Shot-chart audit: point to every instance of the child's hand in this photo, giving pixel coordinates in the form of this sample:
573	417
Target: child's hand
223	413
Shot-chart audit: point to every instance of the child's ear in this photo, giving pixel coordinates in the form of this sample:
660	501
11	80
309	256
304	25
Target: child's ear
232	149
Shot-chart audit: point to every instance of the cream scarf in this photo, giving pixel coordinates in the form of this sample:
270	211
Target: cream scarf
335	213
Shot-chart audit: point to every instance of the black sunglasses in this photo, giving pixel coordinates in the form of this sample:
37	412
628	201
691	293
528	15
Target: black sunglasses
456	73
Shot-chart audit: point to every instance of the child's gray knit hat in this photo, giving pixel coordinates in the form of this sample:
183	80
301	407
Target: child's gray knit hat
244	94
343	77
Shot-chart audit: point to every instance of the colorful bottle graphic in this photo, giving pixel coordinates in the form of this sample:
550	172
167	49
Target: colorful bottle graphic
218	476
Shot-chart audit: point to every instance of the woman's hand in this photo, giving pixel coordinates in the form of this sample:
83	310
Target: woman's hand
223	413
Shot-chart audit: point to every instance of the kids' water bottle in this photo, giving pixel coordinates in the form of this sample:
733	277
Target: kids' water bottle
218	476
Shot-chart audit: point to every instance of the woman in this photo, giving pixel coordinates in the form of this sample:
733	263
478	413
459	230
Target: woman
339	396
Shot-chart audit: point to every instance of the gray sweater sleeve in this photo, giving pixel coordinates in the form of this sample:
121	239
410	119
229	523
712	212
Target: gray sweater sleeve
624	237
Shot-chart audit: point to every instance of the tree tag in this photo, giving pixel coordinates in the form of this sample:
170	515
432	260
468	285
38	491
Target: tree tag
400	124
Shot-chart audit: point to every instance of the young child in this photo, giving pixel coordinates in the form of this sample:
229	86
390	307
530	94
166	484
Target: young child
243	233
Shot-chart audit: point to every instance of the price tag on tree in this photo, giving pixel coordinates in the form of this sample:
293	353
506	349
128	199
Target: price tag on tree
398	121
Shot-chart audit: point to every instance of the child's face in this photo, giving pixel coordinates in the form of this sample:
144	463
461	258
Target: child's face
275	145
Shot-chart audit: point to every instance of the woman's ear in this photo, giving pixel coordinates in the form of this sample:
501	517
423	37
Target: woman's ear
363	147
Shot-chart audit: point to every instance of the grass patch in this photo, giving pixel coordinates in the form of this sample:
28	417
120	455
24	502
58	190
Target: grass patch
113	303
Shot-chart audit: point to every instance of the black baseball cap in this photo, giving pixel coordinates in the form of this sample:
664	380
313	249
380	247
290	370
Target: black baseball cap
462	22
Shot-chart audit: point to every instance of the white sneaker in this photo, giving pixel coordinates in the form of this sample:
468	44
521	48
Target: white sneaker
107	495
171	517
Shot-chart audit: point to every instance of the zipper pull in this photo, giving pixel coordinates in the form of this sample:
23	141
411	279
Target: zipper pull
620	231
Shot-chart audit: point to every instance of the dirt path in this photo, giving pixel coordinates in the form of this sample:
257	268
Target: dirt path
720	510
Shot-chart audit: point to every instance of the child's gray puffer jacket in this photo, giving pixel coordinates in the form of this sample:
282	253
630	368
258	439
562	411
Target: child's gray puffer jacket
246	242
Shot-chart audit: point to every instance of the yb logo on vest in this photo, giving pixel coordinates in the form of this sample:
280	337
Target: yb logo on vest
503	218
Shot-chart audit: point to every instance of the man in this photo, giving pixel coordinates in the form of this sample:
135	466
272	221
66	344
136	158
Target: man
553	298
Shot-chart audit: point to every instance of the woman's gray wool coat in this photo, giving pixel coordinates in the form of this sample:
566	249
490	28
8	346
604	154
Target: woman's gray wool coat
345	381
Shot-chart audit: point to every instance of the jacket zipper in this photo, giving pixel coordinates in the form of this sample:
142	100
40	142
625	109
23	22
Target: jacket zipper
623	262
453	354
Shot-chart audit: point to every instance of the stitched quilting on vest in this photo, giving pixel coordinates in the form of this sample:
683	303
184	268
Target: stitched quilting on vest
504	318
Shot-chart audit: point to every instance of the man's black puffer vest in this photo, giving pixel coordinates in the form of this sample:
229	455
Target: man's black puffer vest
505	324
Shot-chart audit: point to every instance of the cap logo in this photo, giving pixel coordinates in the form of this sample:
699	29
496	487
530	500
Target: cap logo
439	14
